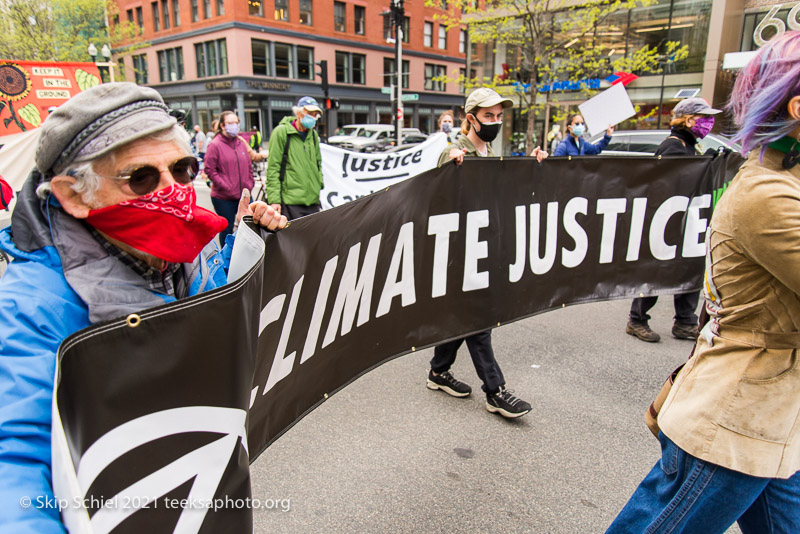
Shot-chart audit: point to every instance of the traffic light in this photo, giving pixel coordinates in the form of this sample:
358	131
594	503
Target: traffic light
331	103
323	75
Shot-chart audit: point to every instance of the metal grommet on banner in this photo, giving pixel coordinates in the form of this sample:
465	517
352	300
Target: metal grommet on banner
641	295
413	349
133	320
569	158
498	324
659	156
325	395
563	305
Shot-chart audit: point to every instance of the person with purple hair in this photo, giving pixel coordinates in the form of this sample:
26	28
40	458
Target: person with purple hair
730	426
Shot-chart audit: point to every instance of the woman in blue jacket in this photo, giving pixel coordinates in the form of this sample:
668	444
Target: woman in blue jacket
107	224
575	145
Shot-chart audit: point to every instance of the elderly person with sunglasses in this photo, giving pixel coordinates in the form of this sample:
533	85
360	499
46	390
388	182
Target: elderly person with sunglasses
106	225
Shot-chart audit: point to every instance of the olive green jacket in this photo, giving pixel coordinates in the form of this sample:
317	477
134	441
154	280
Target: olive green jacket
736	403
463	142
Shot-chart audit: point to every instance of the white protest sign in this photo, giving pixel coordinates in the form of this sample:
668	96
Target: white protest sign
609	108
350	175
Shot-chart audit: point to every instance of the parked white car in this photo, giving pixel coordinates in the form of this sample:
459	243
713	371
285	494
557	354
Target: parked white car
369	137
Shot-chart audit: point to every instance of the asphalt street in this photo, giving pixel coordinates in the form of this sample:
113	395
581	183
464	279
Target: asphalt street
388	455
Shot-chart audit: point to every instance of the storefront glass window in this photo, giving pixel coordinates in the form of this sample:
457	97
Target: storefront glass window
652	26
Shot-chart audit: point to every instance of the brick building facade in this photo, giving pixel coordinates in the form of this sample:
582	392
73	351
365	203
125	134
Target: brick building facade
258	57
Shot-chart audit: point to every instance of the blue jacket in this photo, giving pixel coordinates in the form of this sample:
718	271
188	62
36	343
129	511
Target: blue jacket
567	147
47	293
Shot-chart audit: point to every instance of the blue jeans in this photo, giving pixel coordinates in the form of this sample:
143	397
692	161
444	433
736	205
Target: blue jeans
227	209
683	494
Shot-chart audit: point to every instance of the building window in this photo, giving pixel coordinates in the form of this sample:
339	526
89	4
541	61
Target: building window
359	17
256	7
195	11
359	62
211	58
282	10
176	13
305	12
428	38
260	49
130	15
339	20
305	63
165	10
388	72
388	32
342	67
170	64
284	62
351	68
206	9
431	72
140	69
462	42
140	19
442	37
156	17
220	7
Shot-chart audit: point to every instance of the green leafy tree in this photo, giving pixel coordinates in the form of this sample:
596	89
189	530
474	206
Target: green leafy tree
551	40
60	30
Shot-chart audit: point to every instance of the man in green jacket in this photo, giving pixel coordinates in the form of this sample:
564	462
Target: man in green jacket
294	168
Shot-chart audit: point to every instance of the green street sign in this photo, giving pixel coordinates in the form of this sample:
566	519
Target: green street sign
411	96
386	90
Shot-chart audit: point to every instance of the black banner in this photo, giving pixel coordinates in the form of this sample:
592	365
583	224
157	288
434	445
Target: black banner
454	251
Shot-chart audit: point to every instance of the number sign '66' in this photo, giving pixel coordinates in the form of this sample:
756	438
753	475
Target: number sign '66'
778	25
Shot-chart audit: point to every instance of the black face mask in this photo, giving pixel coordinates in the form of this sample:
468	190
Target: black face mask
488	132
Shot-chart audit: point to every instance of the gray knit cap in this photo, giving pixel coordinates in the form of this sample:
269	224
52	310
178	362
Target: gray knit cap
97	121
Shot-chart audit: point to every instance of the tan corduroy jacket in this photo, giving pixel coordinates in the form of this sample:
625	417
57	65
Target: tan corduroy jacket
736	403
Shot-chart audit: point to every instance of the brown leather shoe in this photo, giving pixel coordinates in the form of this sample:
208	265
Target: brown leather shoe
642	331
684	331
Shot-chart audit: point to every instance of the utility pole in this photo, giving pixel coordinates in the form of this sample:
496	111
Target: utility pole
397	20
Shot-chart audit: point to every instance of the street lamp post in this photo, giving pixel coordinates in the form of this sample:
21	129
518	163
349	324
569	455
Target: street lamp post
397	20
106	52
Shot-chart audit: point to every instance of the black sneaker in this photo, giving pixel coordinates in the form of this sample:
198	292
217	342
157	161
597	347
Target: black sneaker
448	383
506	404
642	331
685	331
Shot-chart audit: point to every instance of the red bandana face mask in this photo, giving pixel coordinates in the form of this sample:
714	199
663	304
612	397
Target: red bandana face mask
166	224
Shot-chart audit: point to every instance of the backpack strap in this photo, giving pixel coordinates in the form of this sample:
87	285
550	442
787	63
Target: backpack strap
282	172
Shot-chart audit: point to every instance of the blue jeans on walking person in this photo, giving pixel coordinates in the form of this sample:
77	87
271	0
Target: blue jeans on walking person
228	210
685	495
